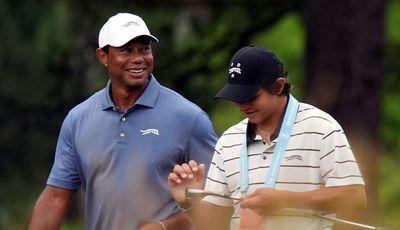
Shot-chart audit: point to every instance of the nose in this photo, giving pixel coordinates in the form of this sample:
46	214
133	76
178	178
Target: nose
136	57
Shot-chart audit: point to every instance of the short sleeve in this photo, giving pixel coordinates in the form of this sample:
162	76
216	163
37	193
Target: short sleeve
338	164
216	180
202	140
64	173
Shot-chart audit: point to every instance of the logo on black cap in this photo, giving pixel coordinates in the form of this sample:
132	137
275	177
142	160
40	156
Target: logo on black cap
234	70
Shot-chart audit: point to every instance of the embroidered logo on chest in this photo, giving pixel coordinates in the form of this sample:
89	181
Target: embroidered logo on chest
294	157
150	131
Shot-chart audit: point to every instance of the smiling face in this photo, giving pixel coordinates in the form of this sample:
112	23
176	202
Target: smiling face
130	65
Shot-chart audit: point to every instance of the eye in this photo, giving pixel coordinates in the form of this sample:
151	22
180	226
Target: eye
126	50
145	48
253	98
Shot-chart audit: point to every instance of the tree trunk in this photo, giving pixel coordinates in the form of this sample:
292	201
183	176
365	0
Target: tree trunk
344	75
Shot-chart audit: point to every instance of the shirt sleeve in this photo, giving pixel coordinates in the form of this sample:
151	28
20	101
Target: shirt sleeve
217	180
202	140
338	164
64	173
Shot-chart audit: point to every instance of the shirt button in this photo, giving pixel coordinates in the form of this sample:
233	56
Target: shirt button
123	118
122	134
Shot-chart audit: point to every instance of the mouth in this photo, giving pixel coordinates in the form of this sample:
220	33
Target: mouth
248	113
136	70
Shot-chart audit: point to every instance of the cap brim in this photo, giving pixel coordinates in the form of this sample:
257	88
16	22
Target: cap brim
123	40
154	39
238	93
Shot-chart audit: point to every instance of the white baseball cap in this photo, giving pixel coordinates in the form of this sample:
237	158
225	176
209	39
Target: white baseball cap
121	28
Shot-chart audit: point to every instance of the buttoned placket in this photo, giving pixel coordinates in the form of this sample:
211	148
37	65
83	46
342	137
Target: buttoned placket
122	123
266	146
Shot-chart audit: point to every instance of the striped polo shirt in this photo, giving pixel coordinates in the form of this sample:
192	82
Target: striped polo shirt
318	155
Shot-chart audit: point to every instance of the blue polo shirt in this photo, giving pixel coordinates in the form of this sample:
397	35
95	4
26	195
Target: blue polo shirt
122	159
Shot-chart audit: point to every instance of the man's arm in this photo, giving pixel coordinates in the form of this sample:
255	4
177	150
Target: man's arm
208	216
51	208
339	199
202	214
178	221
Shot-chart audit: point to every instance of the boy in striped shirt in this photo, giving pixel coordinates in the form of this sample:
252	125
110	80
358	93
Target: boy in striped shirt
284	156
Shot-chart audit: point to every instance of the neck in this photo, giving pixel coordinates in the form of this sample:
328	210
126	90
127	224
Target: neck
124	99
270	124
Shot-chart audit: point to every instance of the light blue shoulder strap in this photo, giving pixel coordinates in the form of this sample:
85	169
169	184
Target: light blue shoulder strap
279	151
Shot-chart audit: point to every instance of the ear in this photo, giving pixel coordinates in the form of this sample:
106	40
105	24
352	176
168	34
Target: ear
102	56
281	83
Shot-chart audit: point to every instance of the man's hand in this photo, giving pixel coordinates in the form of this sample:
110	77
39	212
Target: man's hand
185	176
265	201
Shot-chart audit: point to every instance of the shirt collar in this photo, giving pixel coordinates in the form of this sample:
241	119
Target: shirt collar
251	134
250	130
148	97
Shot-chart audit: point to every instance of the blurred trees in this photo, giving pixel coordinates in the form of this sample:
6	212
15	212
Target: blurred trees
49	65
38	86
345	74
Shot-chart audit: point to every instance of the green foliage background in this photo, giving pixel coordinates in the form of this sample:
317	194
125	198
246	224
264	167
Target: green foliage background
48	65
389	186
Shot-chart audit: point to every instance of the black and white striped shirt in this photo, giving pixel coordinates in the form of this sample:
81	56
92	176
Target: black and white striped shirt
317	155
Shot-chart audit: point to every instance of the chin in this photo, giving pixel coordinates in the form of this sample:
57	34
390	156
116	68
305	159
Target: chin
253	118
137	83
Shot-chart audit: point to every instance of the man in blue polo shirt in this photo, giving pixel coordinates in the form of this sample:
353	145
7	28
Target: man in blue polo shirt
120	144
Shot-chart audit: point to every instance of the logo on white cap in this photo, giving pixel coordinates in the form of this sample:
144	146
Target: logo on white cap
234	70
131	23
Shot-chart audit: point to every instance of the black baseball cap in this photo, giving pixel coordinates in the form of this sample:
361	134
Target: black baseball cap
249	69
